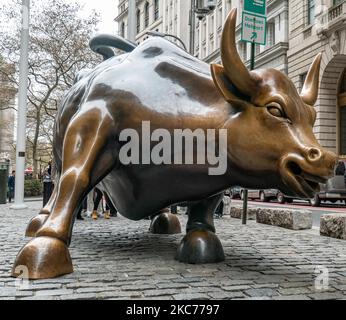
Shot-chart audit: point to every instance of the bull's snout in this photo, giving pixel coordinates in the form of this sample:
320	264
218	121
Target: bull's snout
302	172
323	162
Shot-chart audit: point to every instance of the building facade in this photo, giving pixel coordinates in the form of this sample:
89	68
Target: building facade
7	100
320	26
164	16
272	55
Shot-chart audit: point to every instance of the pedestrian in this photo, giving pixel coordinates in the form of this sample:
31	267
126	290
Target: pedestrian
110	210
83	208
11	186
47	186
340	169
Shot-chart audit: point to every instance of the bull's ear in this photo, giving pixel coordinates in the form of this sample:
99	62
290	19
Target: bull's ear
223	84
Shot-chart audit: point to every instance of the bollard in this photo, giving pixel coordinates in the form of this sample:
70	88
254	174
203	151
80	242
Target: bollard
245	199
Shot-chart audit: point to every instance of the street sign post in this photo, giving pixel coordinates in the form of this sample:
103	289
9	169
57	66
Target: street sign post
254	30
255	6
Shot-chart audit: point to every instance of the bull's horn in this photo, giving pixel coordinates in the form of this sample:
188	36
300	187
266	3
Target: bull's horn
236	71
310	89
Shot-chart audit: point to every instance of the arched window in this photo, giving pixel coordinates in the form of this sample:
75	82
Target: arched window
138	21
342	115
146	14
122	29
156	10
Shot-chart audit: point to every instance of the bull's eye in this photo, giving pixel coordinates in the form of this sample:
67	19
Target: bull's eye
275	110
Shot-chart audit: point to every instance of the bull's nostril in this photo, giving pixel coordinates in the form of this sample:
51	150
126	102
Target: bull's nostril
314	154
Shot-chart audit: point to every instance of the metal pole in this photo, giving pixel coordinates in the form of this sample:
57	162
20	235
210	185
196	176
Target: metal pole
245	192
192	27
131	22
22	107
245	199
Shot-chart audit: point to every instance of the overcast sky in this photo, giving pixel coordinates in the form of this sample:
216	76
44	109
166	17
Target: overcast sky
106	8
108	11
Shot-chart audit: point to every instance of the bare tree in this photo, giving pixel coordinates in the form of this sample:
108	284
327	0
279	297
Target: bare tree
59	37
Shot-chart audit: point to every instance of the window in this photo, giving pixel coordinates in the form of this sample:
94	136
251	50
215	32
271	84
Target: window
336	2
156	9
342	115
138	21
122	29
342	130
146	15
243	50
311	11
302	78
271	34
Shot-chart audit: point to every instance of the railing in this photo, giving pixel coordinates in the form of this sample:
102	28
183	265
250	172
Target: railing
333	14
336	11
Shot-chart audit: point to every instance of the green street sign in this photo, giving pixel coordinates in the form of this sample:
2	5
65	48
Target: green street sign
254	28
255	6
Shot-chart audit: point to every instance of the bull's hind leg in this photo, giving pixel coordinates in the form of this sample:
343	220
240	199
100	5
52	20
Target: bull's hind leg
201	245
165	223
86	161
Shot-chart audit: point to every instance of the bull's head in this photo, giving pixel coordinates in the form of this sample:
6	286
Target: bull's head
271	126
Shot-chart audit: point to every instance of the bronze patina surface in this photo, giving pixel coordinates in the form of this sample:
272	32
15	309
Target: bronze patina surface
269	130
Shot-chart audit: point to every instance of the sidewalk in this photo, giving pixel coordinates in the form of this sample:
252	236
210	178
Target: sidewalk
120	259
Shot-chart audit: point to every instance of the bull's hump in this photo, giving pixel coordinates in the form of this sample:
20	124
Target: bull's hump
159	76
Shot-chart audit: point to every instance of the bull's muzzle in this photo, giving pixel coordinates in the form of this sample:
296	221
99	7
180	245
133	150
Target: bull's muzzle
302	173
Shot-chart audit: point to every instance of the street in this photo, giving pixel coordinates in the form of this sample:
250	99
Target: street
120	259
325	208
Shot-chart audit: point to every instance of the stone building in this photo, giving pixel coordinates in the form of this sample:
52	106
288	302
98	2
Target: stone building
165	16
272	55
320	26
7	99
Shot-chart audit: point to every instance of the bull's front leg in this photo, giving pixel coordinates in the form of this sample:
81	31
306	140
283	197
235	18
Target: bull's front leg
201	245
85	162
37	222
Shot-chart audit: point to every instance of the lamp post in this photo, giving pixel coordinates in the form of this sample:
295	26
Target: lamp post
22	107
131	23
164	35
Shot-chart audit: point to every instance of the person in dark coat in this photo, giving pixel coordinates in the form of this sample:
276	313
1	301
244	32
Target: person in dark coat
340	169
11	186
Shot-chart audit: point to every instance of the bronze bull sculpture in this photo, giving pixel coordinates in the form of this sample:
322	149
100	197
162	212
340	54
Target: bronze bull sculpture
270	144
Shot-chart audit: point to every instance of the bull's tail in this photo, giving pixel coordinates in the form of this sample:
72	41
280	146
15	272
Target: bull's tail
103	43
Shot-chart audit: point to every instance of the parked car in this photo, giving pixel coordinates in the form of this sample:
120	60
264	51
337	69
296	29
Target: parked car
334	190
263	195
235	192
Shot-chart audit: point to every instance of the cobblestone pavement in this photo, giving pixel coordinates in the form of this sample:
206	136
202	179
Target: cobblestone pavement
120	259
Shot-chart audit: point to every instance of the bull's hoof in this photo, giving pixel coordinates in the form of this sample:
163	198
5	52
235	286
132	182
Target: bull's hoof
43	258
35	224
200	246
165	223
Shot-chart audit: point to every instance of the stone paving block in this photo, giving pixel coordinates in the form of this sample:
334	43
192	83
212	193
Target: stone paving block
333	226
191	296
295	291
289	219
236	213
293	297
327	295
264	292
53	292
